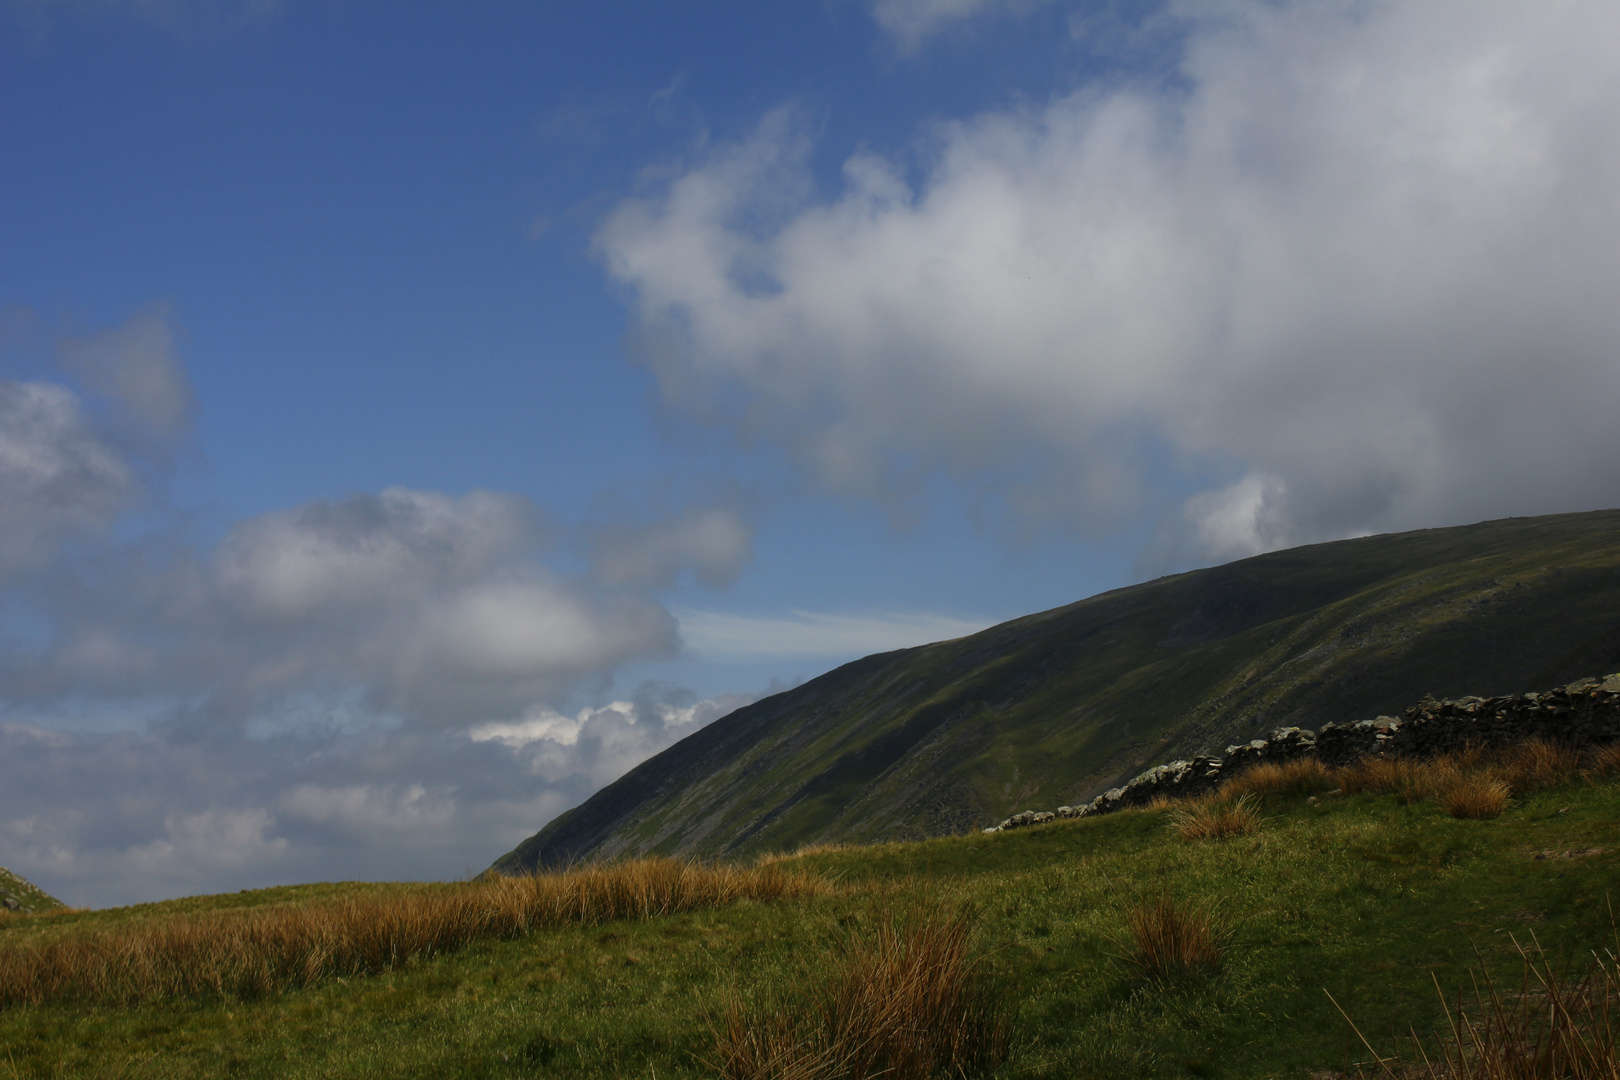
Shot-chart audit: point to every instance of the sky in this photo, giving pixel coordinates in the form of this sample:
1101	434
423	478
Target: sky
412	416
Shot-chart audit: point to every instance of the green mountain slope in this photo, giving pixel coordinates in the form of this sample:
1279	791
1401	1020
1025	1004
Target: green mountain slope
1056	707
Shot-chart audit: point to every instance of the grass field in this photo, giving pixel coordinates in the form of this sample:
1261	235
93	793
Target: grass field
1367	896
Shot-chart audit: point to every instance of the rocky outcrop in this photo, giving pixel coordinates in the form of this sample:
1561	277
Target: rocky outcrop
18	894
1584	713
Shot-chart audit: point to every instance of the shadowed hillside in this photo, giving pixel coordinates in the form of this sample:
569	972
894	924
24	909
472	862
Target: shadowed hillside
1056	707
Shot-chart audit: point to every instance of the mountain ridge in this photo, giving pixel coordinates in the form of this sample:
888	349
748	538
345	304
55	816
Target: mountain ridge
1065	703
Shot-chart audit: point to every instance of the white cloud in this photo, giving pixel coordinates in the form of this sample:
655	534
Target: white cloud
136	365
58	477
714	542
327	558
1240	519
1362	250
911	21
436	609
110	819
604	742
293	701
814	635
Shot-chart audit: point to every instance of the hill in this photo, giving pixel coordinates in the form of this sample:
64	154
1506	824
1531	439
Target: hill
1056	707
19	895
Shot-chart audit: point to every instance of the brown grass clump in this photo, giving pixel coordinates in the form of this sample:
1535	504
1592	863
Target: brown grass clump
1602	761
1168	941
260	951
1474	783
1552	1028
771	858
1217	819
1407	779
1537	764
1302	776
1376	775
1476	796
907	1003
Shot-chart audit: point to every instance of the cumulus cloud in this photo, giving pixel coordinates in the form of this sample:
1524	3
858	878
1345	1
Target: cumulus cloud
604	742
911	21
366	686
1353	265
67	472
118	818
715	543
436	609
137	367
363	687
59	477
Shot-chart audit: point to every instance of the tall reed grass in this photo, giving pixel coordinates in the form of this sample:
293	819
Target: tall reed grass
261	951
1476	797
1550	1028
907	1002
1301	776
1170	940
1217	818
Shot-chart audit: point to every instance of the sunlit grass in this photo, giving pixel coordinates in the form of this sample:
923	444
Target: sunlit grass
260	951
1364	894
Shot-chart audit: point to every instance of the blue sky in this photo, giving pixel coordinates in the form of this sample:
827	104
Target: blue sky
413	415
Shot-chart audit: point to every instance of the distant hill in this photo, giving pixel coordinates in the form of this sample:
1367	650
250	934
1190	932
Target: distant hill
21	896
1056	707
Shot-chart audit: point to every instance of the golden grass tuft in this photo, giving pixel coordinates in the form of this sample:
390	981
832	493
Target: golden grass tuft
1301	776
1474	783
1537	763
1217	818
1602	761
771	858
1407	779
906	1003
1476	796
261	951
1375	775
1169	941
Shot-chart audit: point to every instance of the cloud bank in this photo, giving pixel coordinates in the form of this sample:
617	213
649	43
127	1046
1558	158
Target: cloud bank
1349	269
362	686
101	818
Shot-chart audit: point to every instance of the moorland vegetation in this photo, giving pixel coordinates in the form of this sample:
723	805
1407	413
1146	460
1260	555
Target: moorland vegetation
1413	918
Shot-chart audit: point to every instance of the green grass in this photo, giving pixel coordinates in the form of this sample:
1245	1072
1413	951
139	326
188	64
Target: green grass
1361	896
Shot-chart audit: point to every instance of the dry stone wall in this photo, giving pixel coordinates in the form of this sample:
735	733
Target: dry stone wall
1584	713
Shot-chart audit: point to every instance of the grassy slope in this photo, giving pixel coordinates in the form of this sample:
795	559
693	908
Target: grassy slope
1055	707
1362	897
